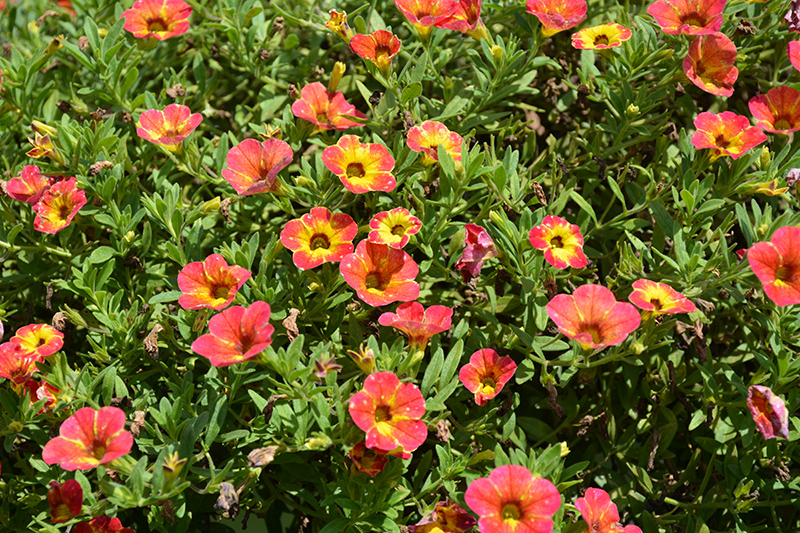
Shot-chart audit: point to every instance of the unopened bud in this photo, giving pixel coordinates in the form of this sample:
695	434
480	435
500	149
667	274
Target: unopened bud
318	443
497	52
632	111
564	449
336	76
637	348
211	206
302	181
172	467
315	287
44	129
15	426
130	236
764	158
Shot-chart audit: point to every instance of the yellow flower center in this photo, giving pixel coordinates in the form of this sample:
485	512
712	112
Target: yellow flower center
785	273
383	413
355	170
399	230
374	280
782	124
601	39
488	385
511	511
322	117
693	19
592	329
156	25
556	242
319	241
657	305
98	449
721	141
220	291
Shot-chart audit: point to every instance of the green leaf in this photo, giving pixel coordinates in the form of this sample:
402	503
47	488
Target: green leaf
411	92
102	254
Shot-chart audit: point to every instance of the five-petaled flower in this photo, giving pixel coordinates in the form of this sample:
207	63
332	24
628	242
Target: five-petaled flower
168	128
102	524
58	206
776	264
253	166
65	500
689	17
418	323
486	374
467	19
325	110
710	64
236	335
380	274
89	438
39	340
726	133
159	19
659	298
360	167
29	186
769	412
600	37
511	500
368	461
16	365
428	136
778	111
378	47
557	15
561	241
424	14
601	514
793	51
393	228
479	248
593	316
447	517
319	237
43	147
390	413
211	284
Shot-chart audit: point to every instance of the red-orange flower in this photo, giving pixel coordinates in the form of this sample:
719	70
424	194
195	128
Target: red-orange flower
360	167
29	186
58	206
479	248
793	51
211	284
600	37
16	365
159	19
380	275
769	412
418	323
169	127
561	241
427	138
778	111
42	390
325	110
389	412
659	298
102	524
486	374
726	133
601	513
593	317
776	264
690	17
39	340
424	14
393	228
65	500
319	237
379	47
512	500
368	461
466	19
89	438
447	517
710	64
236	335
557	15
253	166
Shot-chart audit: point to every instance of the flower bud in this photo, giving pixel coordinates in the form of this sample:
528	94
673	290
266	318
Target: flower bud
130	236
15	427
338	25
211	206
764	158
637	348
632	111
44	129
497	53
336	76
364	358
172	467
564	449
318	443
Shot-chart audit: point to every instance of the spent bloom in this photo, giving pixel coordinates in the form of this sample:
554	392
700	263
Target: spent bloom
793	51
338	25
380	274
368	461
601	514
364	358
561	241
725	133
379	47
659	298
159	19
593	317
557	15
447	517
360	167
600	37
769	412
102	524
211	284
65	500
776	263
486	374
424	14
89	438
58	206
427	138
393	228
236	335
253	166
689	17
710	64
418	323
778	111
319	237
29	186
467	19
38	340
512	500
792	16
326	110
43	147
169	127
479	248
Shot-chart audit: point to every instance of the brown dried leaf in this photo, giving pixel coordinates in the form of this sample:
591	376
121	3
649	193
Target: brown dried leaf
261	456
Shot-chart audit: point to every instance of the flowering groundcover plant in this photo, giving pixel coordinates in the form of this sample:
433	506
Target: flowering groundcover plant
407	265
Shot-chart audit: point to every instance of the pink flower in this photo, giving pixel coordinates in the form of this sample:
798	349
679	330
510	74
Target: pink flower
726	133
486	374
236	335
776	263
561	241
211	284
168	128
89	438
480	247
253	166
418	323
325	110
769	412
601	514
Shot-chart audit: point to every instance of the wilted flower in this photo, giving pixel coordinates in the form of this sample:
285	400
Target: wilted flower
778	111
236	335
792	177
29	186
512	499
102	524
379	47
486	374
467	19
360	167
424	14
65	500
368	461
325	365
659	298
211	284
42	390
319	237
793	16
447	517
557	15
393	228
710	64
561	241
418	323
338	25
89	438
389	412
726	133
169	127
600	37
364	358
159	19
427	138
776	264
601	514
58	206
38	340
253	166
689	17
380	275
769	412
325	110
479	248
16	365
793	51
770	188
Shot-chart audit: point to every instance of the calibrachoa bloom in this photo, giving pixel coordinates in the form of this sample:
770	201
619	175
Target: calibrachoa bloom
380	275
368	461
424	14
16	365
379	47
659	298
42	390
512	500
593	317
65	500
89	438
338	25
486	374
769	412
710	64
480	247
29	186
58	206
389	412
726	133
38	340
43	147
776	264
447	517
418	323
690	17
102	524
778	111
793	51
364	358
169	127
427	138
601	513
159	19
253	166
467	19
557	15
561	241
770	188
325	110
361	167
236	335
394	227
599	37
211	284
319	237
